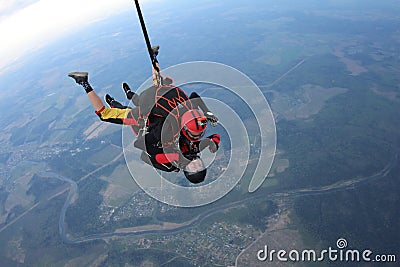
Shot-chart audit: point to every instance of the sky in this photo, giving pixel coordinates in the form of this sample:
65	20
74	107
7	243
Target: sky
26	25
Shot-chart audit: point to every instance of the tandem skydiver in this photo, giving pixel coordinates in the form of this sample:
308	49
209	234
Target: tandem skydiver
168	124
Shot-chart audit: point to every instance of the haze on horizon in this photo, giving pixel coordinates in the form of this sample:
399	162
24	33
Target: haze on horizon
28	25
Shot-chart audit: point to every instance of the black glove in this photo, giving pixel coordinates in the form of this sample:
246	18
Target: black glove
211	118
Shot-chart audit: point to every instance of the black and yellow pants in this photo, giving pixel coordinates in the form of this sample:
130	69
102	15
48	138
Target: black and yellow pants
121	115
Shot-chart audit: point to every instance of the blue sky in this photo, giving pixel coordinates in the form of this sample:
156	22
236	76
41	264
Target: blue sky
26	25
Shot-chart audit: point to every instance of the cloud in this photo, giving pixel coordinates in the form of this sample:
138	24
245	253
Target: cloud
7	7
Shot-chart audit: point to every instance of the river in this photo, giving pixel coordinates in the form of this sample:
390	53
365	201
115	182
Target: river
73	190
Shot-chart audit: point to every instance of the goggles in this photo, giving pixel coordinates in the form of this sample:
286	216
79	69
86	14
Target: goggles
193	135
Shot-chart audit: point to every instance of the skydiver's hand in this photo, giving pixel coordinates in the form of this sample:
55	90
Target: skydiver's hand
213	147
214	142
211	118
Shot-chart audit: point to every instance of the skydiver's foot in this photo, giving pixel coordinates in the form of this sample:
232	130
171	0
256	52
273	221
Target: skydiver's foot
113	103
79	77
127	91
130	95
82	79
109	100
155	49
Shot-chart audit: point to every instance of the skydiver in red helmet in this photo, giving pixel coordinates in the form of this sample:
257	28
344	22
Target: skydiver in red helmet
168	124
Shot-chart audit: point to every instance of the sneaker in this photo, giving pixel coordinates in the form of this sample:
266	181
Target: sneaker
126	88
155	49
129	94
109	99
79	77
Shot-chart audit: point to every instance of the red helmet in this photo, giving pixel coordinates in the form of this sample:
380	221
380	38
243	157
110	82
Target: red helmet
193	124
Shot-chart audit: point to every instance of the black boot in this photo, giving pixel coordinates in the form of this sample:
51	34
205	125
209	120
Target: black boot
79	77
109	99
82	79
130	95
112	102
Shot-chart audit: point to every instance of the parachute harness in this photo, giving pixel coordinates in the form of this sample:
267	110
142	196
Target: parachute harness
175	106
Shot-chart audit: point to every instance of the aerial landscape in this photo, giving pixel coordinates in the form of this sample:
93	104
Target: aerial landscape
330	72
